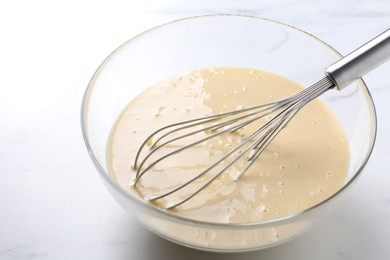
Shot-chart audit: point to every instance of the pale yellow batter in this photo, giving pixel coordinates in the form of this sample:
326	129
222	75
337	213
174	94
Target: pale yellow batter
304	165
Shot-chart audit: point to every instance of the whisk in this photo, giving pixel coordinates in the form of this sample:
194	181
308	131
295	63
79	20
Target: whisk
337	76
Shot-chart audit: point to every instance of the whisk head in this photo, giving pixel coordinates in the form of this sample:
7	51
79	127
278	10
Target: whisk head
276	114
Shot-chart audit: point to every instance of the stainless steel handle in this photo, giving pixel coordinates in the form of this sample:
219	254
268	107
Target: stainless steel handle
361	61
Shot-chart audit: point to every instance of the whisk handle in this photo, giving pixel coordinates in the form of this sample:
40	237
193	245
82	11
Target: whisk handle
361	61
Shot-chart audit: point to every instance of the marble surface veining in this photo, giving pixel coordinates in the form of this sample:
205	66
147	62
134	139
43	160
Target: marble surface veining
54	206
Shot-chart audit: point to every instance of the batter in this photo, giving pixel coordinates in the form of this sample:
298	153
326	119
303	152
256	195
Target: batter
304	165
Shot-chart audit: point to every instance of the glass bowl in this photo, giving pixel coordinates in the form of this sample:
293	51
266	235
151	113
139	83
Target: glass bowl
221	40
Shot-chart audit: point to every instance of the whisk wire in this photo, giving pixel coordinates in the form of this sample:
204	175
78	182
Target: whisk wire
261	138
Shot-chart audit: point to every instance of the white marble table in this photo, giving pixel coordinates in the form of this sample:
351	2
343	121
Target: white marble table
54	206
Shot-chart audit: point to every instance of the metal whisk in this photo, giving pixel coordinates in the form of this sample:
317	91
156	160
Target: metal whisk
338	76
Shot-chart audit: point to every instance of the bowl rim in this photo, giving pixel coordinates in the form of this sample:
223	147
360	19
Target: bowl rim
168	213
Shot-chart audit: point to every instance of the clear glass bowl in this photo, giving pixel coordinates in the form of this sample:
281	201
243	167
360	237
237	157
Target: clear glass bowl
221	40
